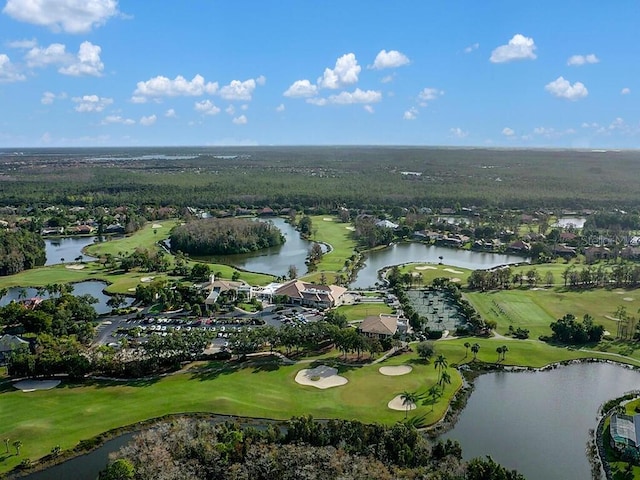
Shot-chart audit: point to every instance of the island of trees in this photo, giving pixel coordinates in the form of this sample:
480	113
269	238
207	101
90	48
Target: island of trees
224	236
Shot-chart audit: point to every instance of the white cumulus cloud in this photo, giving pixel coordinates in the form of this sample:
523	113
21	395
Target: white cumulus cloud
280	108
241	120
24	44
320	102
86	63
301	88
472	47
109	119
579	60
411	114
49	97
428	95
238	90
369	109
91	103
71	16
508	132
518	48
357	96
344	73
171	113
149	120
161	86
8	71
207	107
458	132
564	89
625	91
390	59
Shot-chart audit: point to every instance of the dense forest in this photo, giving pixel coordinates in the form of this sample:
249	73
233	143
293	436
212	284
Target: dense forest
322	177
20	250
224	236
337	449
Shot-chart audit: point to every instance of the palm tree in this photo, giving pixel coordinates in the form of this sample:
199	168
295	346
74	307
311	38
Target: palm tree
505	349
445	378
440	364
466	349
17	445
499	351
409	399
6	444
475	348
433	392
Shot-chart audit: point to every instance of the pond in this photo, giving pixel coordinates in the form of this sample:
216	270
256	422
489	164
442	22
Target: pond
275	260
538	422
418	252
67	248
93	288
565	222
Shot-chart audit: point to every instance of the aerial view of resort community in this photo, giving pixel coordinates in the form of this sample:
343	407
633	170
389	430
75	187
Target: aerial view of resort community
241	240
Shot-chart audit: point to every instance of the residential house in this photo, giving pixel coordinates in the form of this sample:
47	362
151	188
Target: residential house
519	246
9	343
386	224
624	431
219	288
599	252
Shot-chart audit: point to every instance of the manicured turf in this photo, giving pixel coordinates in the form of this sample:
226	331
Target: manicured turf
70	413
361	310
425	273
146	237
536	309
330	230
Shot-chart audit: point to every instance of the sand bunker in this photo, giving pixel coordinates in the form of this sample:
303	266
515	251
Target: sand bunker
451	270
33	385
397	404
156	225
328	219
146	279
74	267
426	267
395	371
628	299
454	279
351	228
322	377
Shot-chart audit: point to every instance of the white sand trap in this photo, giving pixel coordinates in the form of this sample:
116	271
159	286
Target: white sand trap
33	385
426	267
620	293
454	279
146	279
397	404
451	270
74	267
395	371
322	377
156	225
628	299
131	289
328	219
351	228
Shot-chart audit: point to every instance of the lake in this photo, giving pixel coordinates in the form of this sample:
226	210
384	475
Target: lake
419	252
68	248
274	260
538	422
535	422
92	287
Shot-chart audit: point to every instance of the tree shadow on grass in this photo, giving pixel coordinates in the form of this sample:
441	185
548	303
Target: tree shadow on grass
109	383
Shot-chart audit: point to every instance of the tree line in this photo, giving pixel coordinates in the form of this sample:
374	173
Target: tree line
337	449
20	249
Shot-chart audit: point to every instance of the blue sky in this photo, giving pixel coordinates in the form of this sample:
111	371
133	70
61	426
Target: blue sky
334	72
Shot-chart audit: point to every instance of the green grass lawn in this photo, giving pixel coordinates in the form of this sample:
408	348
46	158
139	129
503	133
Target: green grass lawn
425	273
360	310
536	309
73	412
339	236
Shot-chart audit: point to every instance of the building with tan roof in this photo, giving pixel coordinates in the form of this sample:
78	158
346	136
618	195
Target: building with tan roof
311	295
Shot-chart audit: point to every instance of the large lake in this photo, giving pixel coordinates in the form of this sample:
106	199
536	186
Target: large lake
418	252
538	422
535	422
275	260
67	248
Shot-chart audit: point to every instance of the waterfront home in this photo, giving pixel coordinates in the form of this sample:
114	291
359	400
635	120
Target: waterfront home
8	343
624	431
